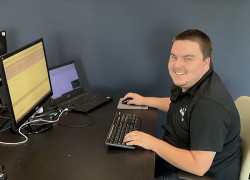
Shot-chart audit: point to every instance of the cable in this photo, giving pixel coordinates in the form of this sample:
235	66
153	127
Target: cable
2	105
30	122
46	122
89	116
3	117
44	114
5	129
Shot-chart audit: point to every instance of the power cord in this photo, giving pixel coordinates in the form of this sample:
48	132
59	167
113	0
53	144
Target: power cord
30	122
45	122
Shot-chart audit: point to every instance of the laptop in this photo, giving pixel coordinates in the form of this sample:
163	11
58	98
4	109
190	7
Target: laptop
67	89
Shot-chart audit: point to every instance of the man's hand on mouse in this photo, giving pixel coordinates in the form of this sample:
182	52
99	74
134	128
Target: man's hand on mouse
137	99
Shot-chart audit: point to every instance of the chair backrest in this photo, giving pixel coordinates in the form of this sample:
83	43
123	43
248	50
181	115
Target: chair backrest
243	106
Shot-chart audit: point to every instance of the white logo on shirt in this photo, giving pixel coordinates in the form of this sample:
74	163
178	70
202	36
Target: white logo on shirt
182	111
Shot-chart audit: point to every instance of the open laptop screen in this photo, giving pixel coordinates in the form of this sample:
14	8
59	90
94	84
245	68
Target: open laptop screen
64	79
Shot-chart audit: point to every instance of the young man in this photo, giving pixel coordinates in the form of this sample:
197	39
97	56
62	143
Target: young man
202	134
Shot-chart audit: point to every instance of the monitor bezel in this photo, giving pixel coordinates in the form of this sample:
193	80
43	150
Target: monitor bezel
15	125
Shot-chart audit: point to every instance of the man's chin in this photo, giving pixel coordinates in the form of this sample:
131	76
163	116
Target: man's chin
181	85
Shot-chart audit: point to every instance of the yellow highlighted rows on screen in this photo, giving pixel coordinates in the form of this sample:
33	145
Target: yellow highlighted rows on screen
28	87
22	64
17	57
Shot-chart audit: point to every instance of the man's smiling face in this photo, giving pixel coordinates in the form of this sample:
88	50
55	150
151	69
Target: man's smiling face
186	65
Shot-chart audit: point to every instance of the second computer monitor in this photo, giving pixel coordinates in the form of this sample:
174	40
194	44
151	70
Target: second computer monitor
26	80
3	44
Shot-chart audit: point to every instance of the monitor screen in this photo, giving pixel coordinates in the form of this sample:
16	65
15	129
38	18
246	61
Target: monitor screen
25	76
64	78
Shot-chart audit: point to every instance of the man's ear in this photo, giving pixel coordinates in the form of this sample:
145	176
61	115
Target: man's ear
207	61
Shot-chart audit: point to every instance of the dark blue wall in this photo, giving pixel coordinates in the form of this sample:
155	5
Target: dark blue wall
123	45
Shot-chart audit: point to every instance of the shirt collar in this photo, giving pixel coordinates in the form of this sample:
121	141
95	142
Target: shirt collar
176	91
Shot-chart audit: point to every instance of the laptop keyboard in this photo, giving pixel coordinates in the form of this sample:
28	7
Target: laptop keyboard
123	123
77	100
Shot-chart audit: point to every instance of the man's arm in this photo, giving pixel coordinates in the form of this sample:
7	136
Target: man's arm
159	103
196	162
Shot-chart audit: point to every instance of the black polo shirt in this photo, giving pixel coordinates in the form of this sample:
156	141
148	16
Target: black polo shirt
205	118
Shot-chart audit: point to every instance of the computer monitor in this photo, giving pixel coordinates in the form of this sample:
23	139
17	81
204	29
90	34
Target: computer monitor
26	81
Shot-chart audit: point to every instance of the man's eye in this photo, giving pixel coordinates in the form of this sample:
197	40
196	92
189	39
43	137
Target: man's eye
187	59
173	57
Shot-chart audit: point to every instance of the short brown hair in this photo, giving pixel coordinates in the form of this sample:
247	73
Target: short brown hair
201	38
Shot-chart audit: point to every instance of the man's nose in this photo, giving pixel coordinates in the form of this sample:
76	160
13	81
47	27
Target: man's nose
178	63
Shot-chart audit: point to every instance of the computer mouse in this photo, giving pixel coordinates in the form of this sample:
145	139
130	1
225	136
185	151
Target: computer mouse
125	101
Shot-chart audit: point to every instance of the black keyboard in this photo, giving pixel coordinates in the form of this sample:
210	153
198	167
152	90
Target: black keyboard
76	101
123	123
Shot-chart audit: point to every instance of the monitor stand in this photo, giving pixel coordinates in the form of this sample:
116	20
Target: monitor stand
35	128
